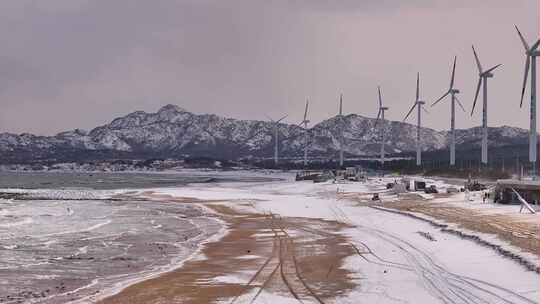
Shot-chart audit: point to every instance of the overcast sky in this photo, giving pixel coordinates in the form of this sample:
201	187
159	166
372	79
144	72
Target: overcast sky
68	64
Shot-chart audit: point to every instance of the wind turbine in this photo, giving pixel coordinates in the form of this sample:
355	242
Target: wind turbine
380	115
417	104
531	53
340	116
305	123
482	81
276	137
452	92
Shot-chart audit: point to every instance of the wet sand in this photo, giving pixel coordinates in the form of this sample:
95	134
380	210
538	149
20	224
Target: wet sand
260	256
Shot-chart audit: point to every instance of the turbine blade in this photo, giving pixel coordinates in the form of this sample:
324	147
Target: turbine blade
493	68
522	39
476	95
417	86
460	105
436	102
282	118
477	60
423	108
527	65
535	46
269	118
377	120
341	104
380	98
306	111
453	74
410	111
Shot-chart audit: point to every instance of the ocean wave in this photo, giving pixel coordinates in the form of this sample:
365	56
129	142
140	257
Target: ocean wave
94	227
25	221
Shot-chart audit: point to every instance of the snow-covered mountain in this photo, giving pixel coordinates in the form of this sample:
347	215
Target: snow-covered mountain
497	137
174	132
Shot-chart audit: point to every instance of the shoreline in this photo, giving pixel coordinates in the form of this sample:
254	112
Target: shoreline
501	246
277	241
292	202
121	286
261	256
100	252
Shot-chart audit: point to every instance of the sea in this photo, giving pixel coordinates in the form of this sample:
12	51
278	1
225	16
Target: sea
74	237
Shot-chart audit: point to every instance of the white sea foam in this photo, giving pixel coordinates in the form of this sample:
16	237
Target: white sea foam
94	227
83	250
248	257
25	221
143	276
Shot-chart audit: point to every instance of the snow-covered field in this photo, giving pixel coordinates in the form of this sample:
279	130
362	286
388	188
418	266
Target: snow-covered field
404	266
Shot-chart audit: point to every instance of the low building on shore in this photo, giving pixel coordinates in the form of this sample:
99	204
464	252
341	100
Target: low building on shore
528	189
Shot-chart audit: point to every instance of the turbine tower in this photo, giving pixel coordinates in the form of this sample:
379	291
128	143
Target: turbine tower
380	116
276	137
452	92
304	125
483	81
418	105
531	53
340	116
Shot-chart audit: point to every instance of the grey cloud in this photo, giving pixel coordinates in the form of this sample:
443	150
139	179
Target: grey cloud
78	63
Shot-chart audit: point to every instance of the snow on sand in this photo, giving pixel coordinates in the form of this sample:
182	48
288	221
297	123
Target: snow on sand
397	264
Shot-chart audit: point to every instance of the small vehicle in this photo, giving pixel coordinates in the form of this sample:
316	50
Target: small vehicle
375	197
431	189
419	185
324	177
452	190
390	185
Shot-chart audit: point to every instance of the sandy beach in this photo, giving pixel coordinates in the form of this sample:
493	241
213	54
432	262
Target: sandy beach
325	243
262	254
287	242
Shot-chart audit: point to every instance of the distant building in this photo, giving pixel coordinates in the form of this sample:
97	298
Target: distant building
414	184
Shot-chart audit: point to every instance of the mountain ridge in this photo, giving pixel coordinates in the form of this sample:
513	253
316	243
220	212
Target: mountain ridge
173	132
